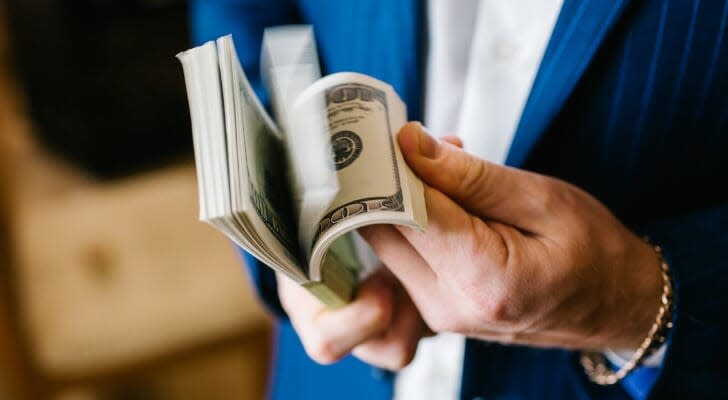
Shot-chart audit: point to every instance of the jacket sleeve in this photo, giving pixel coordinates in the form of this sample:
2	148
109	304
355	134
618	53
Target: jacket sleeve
245	20
696	249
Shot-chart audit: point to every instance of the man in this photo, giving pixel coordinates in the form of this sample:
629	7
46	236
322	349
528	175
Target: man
624	100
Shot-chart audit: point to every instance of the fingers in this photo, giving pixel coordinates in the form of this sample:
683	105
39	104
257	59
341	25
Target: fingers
404	262
455	243
328	335
397	347
382	326
487	190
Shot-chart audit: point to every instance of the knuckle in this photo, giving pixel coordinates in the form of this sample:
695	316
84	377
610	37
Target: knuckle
475	247
321	350
473	176
481	301
443	324
548	195
508	338
378	312
495	310
403	354
485	249
494	306
555	195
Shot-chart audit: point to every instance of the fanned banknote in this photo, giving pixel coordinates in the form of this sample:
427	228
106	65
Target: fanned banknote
293	192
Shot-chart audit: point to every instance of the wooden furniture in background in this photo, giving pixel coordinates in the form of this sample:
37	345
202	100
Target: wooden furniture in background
115	275
115	290
16	375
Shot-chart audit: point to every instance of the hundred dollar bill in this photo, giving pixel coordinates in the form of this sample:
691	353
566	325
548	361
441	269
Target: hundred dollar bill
375	184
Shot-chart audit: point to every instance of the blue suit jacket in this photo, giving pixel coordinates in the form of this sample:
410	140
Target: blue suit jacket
630	103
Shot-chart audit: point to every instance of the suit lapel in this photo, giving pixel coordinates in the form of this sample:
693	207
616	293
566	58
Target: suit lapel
580	29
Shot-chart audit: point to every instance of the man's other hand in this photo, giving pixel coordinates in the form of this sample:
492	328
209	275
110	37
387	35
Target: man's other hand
380	326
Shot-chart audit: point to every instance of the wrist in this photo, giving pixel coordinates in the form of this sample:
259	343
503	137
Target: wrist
630	299
643	301
595	364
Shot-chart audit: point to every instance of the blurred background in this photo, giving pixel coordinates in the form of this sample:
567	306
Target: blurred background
109	286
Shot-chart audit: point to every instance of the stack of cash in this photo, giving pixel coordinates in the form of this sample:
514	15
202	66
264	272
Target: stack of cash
292	194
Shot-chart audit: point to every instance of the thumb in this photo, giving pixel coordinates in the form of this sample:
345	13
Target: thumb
452	139
485	189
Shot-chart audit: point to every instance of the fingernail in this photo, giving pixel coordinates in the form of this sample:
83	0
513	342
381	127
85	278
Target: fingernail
428	145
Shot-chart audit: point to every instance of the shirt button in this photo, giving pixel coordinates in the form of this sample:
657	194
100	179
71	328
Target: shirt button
504	49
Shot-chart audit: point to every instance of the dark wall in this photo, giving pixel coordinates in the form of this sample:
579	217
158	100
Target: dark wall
104	88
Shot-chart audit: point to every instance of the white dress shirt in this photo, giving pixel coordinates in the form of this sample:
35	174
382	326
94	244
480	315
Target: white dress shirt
483	58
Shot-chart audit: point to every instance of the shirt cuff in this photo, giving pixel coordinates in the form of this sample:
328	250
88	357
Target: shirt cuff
640	381
620	358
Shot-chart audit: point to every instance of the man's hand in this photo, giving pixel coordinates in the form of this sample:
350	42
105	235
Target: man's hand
518	257
381	326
